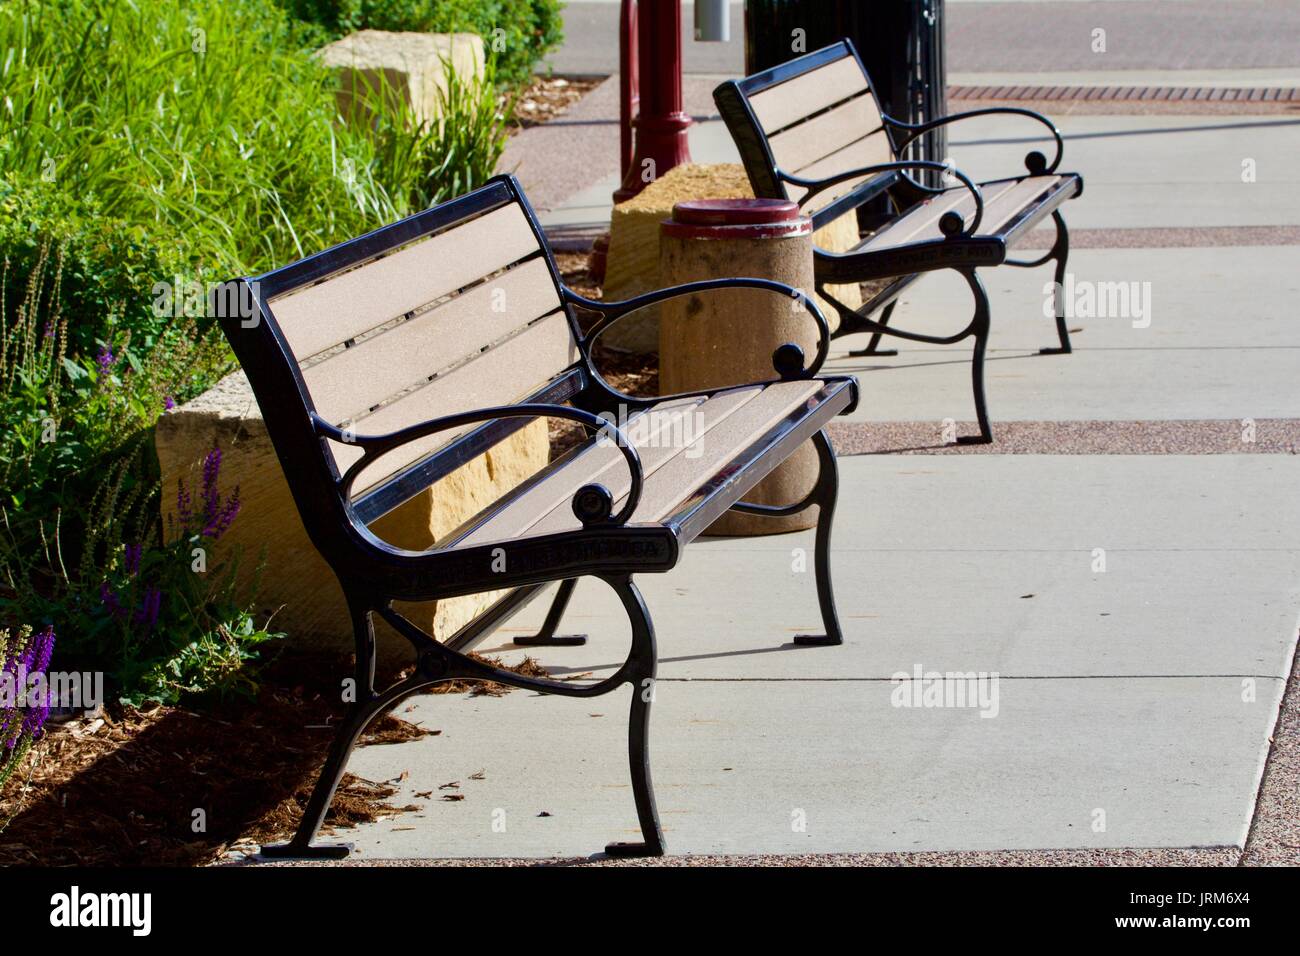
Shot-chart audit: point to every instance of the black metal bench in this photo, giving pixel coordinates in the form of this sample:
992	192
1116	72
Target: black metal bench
382	364
811	130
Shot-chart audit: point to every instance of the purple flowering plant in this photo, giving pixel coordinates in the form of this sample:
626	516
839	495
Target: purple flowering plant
182	624
24	695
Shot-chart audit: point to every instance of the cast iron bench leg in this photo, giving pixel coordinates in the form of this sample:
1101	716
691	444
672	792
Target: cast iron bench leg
368	705
547	637
642	659
1060	252
825	495
873	346
979	327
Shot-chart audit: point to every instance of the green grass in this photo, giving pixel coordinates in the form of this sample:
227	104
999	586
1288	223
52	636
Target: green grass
203	123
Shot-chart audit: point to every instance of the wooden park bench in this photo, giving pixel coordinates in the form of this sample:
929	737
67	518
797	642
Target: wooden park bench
811	130
387	362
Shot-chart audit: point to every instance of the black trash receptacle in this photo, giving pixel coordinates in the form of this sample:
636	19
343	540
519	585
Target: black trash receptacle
900	42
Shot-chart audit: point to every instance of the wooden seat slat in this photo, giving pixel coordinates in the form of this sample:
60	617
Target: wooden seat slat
724	424
1003	201
600	461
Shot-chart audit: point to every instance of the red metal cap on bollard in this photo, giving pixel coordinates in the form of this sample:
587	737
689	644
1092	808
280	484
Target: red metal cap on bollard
737	219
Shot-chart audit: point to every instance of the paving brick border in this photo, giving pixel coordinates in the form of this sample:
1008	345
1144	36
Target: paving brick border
1202	94
1276	436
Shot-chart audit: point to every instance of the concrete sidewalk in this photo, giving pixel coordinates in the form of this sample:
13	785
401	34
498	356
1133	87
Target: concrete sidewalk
1119	692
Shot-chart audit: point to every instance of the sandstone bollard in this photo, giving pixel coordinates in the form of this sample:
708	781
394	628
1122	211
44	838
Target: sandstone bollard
632	261
296	580
727	337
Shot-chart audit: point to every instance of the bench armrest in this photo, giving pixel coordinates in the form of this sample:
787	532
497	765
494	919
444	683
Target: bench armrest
374	446
814	186
611	312
1034	161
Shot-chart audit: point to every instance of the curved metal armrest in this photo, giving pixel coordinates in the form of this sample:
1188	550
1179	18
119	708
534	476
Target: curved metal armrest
913	130
374	446
611	312
814	186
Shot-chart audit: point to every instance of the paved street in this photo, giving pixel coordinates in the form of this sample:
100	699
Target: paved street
1018	36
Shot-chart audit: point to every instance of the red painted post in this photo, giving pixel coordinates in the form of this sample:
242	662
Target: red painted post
661	125
629	86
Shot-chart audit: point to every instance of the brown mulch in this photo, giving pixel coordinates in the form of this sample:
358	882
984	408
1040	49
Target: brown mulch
123	789
631	374
549	97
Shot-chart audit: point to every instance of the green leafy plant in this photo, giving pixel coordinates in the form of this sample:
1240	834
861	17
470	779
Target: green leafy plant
148	148
199	124
160	620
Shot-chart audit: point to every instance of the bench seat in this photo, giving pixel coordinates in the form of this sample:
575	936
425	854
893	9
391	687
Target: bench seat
811	130
699	456
1011	208
392	361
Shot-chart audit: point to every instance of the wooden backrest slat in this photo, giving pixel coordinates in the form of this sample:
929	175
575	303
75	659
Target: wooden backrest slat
868	151
809	93
502	375
798	147
341	307
345	385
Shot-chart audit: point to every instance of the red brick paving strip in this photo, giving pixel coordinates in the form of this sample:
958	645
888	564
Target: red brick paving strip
1210	94
1277	436
1164	237
1083	106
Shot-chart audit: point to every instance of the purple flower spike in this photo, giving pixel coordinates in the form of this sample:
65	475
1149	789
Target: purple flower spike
168	403
106	360
149	608
34	658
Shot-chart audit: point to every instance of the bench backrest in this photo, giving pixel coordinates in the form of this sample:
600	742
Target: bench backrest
812	117
452	309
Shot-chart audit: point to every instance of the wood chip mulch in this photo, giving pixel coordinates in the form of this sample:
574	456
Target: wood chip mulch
179	786
549	97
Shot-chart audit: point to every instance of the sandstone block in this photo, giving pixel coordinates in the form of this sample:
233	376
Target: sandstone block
296	580
411	67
